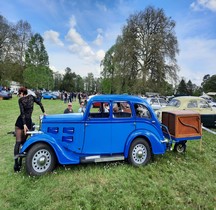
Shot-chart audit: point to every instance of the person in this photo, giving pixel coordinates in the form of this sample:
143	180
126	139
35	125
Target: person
24	122
106	107
82	107
68	109
65	97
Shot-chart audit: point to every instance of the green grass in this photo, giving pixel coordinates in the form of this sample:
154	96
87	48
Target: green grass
170	181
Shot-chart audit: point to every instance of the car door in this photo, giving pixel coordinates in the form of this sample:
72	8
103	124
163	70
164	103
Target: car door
97	138
122	125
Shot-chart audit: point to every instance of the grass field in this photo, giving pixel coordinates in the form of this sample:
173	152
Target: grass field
170	181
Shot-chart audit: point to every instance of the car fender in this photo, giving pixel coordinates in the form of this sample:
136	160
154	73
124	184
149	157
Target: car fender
156	145
63	155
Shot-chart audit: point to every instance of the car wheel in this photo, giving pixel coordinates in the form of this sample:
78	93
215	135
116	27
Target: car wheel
180	147
140	152
40	160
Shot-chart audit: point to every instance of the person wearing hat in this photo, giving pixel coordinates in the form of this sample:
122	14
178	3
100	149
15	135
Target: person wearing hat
68	109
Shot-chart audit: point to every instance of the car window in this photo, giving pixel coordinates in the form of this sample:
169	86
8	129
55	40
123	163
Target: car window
121	109
203	104
162	101
99	110
192	104
154	101
141	111
174	102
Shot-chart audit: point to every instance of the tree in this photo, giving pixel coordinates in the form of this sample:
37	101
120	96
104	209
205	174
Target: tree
108	71
182	88
79	84
189	87
6	37
210	84
37	73
68	82
36	54
89	83
57	80
38	77
23	36
144	54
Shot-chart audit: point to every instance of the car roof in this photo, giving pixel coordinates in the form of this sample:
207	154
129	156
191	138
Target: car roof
197	97
117	97
188	98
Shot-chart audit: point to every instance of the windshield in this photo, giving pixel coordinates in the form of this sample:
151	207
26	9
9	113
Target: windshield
174	102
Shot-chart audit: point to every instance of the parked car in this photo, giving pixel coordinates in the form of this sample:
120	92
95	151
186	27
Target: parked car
197	104
57	94
5	94
157	103
212	103
48	95
127	129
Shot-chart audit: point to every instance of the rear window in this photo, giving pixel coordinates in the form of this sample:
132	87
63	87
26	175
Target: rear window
141	111
174	102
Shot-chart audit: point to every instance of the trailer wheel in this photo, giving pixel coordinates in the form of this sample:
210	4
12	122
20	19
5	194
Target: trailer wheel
40	160
180	147
140	152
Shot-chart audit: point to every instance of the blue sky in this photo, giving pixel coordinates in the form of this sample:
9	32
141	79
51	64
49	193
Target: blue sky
77	33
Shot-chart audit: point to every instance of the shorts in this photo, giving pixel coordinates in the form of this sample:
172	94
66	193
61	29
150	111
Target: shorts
19	123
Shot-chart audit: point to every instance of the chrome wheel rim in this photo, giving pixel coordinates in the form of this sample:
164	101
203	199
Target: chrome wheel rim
139	154
41	160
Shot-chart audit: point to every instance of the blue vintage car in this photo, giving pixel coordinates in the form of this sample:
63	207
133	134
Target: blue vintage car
48	95
124	127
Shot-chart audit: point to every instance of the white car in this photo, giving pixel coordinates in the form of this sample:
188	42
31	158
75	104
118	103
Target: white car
157	103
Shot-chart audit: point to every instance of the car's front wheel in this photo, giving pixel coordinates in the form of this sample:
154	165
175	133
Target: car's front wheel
40	160
140	152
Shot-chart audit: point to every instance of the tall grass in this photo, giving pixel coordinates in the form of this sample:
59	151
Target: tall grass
170	181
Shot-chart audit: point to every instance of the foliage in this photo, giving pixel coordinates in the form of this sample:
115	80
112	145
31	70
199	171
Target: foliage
57	80
37	74
38	77
36	54
170	181
209	85
90	83
68	80
23	36
182	88
143	55
7	35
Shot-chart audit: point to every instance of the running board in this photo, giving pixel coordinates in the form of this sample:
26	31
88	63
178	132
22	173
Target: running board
99	158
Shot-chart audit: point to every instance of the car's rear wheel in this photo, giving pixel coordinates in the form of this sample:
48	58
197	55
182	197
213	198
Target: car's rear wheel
40	160
139	153
180	147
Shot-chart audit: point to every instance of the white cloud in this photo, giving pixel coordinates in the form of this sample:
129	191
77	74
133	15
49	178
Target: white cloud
100	55
80	47
72	22
99	40
75	37
201	4
197	58
53	37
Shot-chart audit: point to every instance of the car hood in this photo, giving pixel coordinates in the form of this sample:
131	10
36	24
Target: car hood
63	118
